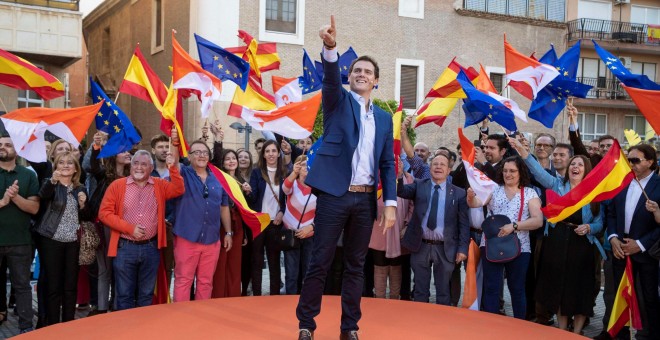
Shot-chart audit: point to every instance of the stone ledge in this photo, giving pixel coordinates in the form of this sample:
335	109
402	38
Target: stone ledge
509	18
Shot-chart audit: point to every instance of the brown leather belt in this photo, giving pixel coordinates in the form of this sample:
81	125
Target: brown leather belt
361	188
141	242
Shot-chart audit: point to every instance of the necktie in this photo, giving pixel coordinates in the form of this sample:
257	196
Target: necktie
433	214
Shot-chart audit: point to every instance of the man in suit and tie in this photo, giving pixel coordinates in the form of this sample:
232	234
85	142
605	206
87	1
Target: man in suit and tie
438	233
633	229
357	148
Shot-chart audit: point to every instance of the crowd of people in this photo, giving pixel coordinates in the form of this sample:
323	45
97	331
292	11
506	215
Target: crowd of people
153	211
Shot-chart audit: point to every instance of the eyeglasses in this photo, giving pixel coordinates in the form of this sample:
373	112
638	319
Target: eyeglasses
544	146
198	153
635	160
206	190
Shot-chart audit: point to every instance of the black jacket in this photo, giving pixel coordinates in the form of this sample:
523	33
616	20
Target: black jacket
54	197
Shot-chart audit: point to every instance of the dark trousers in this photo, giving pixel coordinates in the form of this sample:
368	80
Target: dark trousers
267	239
516	273
60	266
353	213
645	276
135	268
246	262
406	277
432	260
296	262
19	259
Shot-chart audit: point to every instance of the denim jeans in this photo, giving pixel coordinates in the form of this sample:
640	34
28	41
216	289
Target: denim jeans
516	273
135	269
19	259
296	262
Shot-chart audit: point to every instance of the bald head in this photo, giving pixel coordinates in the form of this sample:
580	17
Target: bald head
422	150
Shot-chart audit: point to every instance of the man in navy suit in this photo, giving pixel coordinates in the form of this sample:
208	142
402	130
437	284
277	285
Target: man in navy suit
633	229
357	149
438	232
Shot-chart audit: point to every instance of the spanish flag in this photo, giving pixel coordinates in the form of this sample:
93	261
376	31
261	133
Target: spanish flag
255	220
625	309
20	74
142	82
604	181
435	111
170	113
261	56
396	129
447	86
647	102
254	97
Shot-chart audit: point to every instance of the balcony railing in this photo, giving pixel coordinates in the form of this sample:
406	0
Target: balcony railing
610	30
604	88
71	5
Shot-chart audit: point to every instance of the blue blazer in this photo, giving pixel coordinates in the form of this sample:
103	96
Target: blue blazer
457	228
259	189
549	181
643	226
331	172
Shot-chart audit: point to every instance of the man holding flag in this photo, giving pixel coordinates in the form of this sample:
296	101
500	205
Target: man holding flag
633	229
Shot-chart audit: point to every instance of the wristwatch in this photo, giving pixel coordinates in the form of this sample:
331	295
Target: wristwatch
515	226
229	233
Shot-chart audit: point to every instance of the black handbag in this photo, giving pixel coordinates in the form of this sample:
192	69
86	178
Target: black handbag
501	249
287	239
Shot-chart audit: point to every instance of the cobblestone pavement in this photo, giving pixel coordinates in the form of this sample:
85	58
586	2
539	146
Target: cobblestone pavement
10	327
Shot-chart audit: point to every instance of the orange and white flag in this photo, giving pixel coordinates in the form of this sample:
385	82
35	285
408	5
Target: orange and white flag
295	120
286	90
27	127
521	68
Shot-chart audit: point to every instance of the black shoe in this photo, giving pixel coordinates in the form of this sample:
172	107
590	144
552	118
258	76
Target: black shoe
603	336
351	335
305	334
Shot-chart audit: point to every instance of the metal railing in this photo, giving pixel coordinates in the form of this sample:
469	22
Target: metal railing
71	5
609	30
604	88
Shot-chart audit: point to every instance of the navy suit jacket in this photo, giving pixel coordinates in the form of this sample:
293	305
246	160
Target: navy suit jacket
457	228
331	172
643	226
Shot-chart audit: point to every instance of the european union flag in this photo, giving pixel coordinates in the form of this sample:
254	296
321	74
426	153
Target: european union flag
549	57
112	120
552	99
311	154
222	64
344	61
479	106
310	80
639	81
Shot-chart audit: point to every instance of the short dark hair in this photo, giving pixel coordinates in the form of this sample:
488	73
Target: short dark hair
523	171
159	138
369	59
502	141
203	143
543	134
259	140
441	155
568	147
649	153
604	137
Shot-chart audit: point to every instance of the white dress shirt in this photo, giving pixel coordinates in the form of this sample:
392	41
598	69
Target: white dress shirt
632	198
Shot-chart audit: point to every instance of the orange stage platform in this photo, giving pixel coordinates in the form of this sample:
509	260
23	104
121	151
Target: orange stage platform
273	317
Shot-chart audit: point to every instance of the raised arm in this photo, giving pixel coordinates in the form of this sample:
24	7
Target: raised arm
332	86
573	131
543	177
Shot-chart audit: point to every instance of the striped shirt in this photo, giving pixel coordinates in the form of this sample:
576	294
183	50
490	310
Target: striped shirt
140	207
297	195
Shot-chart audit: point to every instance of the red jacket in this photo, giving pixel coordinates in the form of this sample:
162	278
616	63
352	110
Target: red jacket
111	211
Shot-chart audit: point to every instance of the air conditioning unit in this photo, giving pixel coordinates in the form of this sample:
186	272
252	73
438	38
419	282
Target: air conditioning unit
626	61
621	2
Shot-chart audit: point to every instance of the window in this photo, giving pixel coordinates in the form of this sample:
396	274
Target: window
647	69
409	82
645	15
553	10
592	72
157	27
28	98
496	75
592	125
637	124
411	8
498	81
105	50
282	21
595	9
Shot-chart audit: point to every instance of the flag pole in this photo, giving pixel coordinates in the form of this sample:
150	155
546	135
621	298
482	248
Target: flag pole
641	187
631	321
117	97
3	105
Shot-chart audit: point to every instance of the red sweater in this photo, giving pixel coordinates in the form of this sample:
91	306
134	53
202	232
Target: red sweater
111	211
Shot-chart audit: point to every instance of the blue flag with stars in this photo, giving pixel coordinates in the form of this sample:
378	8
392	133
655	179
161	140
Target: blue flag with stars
112	120
552	99
344	61
311	153
222	64
628	78
549	57
478	106
310	80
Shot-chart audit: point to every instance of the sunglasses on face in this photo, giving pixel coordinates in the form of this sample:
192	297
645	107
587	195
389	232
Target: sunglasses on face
634	160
